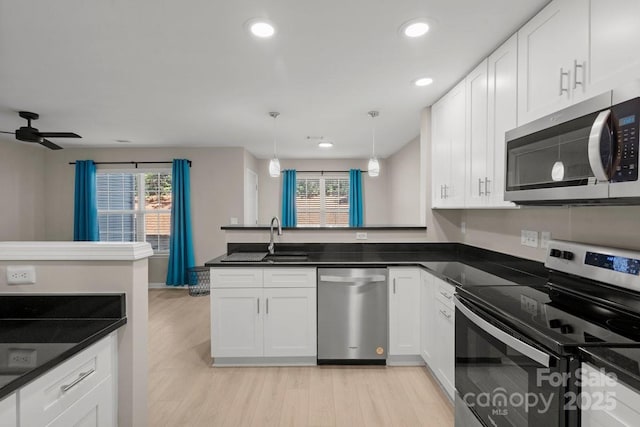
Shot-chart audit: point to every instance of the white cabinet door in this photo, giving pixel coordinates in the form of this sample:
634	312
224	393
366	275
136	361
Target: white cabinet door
427	318
476	136
445	332
404	311
92	410
501	117
614	43
290	322
448	149
9	411
236	322
552	55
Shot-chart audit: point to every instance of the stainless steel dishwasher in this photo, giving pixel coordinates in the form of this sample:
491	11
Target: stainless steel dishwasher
352	316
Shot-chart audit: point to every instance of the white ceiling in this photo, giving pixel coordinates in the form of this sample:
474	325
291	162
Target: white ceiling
186	73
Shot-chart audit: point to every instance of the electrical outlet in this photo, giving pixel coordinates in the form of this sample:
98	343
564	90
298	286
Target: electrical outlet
22	358
21	275
545	236
529	238
361	236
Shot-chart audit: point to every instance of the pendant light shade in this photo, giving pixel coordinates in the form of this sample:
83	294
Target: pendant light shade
274	164
373	168
274	167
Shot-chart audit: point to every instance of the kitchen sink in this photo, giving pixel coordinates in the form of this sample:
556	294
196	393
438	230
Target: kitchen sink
286	257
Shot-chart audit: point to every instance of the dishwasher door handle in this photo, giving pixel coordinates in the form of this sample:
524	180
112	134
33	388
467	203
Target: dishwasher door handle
347	279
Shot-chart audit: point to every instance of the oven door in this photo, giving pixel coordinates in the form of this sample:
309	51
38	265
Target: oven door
502	379
562	157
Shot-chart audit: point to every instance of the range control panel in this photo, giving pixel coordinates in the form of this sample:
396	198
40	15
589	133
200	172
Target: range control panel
617	267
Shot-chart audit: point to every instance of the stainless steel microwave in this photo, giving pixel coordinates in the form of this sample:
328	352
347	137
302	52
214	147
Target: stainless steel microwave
584	154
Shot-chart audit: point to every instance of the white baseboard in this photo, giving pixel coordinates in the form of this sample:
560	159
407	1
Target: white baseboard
164	286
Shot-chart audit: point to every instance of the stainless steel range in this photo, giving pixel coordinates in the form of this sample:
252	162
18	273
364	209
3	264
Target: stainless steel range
518	347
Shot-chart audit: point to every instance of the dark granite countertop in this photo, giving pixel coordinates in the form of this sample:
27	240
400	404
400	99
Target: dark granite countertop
460	264
42	331
624	363
379	227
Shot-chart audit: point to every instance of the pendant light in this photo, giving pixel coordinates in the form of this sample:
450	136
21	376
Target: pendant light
374	165
274	164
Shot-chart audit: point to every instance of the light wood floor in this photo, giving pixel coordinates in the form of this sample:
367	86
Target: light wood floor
184	390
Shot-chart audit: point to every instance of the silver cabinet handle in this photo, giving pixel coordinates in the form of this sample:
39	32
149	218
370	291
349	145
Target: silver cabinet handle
75	382
394	286
531	352
446	295
577	65
445	314
348	279
486	186
267	305
562	76
445	191
258	305
480	193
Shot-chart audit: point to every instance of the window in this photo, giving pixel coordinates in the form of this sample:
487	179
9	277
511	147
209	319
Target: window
121	216
322	201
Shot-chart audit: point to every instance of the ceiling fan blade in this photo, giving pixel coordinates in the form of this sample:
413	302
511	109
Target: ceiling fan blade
59	135
50	145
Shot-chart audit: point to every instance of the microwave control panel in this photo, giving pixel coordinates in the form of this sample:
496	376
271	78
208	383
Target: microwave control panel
625	128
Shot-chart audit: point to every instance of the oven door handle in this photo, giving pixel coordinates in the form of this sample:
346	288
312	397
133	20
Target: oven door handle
531	352
595	140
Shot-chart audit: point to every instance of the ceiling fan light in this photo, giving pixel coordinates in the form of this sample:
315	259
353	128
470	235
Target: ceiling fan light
373	168
274	167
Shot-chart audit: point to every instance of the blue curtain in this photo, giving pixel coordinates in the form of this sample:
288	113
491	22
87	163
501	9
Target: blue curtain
289	198
181	256
85	210
356	213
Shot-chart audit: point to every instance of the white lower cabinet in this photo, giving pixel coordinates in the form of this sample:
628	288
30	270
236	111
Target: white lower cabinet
606	402
236	322
273	315
445	356
438	332
80	392
290	322
404	311
9	411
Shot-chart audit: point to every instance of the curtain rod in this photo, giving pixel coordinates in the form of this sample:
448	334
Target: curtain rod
323	172
132	163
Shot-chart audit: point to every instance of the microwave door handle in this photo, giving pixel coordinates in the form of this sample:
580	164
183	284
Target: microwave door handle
531	352
595	138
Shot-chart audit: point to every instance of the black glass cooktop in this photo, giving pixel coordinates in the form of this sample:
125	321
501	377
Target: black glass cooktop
557	320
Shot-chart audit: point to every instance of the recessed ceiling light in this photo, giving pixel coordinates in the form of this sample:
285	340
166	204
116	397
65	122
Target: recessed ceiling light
423	81
325	144
415	29
261	28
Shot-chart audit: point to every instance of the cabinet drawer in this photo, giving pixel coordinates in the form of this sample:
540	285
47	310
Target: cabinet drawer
444	293
612	403
48	396
289	277
236	277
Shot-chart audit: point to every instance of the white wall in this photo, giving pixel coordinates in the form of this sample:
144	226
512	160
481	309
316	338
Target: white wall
22	192
375	190
404	185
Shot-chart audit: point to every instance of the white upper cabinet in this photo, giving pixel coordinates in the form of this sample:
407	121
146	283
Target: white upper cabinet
552	59
477	150
614	43
501	117
448	149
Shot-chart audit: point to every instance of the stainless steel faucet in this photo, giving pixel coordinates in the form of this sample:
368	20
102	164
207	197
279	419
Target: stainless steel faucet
271	243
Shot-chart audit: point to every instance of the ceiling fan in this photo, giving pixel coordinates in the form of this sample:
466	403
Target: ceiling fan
31	134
